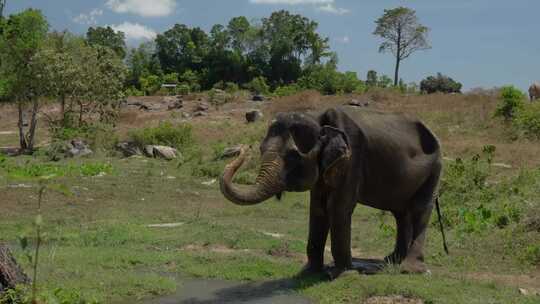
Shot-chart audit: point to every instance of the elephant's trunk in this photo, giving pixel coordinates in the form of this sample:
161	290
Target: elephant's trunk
267	184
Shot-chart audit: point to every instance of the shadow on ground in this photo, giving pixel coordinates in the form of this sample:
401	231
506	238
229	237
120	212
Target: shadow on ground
202	291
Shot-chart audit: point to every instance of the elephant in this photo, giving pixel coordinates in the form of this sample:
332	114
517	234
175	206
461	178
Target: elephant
344	156
534	91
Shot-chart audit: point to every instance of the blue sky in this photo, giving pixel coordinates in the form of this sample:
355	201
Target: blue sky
478	42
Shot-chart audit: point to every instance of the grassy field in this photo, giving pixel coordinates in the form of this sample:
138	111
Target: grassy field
98	245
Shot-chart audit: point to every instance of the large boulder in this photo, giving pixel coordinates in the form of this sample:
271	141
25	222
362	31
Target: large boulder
77	148
164	152
200	113
178	104
128	148
231	152
358	103
253	115
258	97
202	106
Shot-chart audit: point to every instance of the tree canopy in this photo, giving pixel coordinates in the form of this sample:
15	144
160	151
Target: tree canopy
402	34
108	37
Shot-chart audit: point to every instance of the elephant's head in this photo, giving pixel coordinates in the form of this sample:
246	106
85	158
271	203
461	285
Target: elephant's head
295	154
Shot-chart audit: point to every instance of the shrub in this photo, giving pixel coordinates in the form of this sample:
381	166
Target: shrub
527	119
440	83
258	85
532	254
231	87
218	97
178	136
97	135
287	90
171	78
150	84
132	91
512	100
183	89
327	80
371	78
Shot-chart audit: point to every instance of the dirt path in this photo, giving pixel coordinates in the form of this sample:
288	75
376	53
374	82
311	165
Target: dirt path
201	291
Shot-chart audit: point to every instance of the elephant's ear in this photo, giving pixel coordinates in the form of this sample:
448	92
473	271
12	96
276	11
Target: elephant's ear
336	155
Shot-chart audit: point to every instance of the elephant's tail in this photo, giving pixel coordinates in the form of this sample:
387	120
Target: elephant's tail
441	225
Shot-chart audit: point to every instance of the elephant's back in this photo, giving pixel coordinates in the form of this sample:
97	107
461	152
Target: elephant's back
396	130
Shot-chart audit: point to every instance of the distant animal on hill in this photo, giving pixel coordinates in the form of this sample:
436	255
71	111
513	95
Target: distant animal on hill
534	91
345	156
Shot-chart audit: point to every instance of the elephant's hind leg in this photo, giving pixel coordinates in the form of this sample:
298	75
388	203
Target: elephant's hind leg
403	238
422	206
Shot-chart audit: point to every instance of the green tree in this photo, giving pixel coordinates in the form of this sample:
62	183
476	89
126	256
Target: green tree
107	37
440	83
181	48
371	78
21	41
288	39
402	35
142	62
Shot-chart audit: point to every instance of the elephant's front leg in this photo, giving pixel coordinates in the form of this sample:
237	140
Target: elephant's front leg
340	210
318	232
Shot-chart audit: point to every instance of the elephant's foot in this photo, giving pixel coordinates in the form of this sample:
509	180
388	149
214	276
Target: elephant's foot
310	269
413	266
334	272
393	258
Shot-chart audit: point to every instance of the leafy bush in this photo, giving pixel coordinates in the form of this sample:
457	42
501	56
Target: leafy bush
287	90
231	87
218	97
22	295
178	136
512	100
258	85
371	78
150	84
440	83
31	170
183	89
99	136
171	78
527	119
133	91
327	80
532	254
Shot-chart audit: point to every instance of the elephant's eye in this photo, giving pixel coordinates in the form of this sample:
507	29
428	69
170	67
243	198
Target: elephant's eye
292	158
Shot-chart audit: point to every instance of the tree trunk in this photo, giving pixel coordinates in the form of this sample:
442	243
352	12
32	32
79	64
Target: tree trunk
398	58
33	125
396	73
20	124
63	109
11	273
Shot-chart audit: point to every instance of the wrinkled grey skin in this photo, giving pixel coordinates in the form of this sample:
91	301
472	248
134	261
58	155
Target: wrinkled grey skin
345	156
534	91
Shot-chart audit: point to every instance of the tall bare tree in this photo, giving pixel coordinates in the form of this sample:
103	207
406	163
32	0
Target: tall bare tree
402	35
2	6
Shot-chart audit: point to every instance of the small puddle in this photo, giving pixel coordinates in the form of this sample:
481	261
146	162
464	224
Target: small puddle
209	291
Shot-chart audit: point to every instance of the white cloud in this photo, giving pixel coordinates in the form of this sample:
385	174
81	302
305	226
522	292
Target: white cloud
135	31
344	39
291	2
326	6
144	8
331	9
88	19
